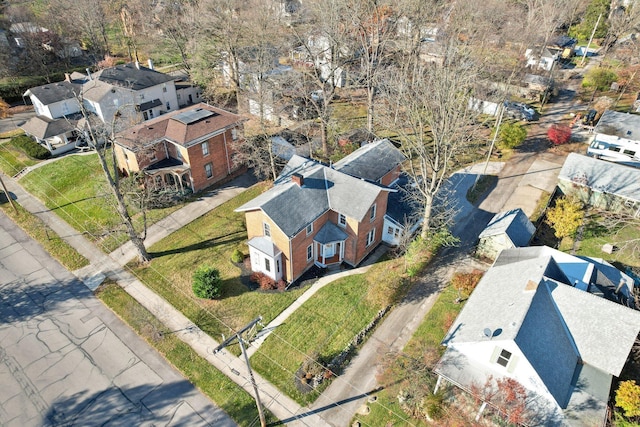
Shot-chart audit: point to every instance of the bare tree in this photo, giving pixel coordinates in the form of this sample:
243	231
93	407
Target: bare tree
100	137
428	106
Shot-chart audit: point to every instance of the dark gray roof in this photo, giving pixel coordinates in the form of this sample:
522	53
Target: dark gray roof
55	92
400	206
371	161
293	207
131	77
149	105
43	127
622	125
601	176
514	224
330	233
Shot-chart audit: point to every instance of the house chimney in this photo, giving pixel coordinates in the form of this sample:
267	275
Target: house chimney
88	73
298	179
67	77
137	64
150	62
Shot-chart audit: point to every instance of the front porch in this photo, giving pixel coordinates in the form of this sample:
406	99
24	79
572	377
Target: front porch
329	245
169	174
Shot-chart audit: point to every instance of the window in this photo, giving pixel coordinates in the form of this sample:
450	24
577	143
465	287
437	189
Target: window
612	148
503	358
309	229
278	265
267	265
267	229
342	220
390	230
208	168
151	114
205	148
371	235
234	134
168	106
309	252
372	215
164	88
629	152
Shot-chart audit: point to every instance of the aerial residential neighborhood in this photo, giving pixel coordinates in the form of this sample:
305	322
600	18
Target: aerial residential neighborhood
320	213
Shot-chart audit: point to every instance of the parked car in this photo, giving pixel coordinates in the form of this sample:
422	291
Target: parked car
519	110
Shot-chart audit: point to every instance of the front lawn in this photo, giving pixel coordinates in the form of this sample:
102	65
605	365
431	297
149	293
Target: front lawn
323	326
595	235
13	159
76	189
210	240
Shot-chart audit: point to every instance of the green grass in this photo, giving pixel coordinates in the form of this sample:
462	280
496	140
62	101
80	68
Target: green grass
325	324
13	159
225	393
595	235
210	240
76	189
386	411
52	243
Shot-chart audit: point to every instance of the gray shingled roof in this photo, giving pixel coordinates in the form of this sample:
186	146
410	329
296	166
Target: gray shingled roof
622	125
514	224
43	127
131	77
264	245
602	331
612	178
293	207
330	233
372	161
55	92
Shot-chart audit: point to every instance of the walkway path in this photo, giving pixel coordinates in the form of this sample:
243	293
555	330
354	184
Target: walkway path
281	406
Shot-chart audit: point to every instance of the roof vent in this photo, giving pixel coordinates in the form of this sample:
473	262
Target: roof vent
628	132
298	179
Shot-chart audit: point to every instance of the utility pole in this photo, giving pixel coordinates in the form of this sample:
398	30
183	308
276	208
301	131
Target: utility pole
590	40
263	421
6	193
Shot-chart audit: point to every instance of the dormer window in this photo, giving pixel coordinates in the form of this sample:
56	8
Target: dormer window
503	358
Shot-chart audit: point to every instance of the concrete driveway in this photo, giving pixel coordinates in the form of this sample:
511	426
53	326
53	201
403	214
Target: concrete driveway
65	359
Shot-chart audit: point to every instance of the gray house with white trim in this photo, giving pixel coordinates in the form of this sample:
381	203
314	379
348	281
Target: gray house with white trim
536	317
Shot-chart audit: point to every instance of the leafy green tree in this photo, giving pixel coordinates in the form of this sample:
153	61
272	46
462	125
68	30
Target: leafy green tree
207	283
628	398
585	27
599	78
565	217
511	135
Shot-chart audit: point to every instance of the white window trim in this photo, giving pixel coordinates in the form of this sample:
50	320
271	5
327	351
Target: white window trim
310	252
372	214
309	229
371	237
340	218
205	148
208	167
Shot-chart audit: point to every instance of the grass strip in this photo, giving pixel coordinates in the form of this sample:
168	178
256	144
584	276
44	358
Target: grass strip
39	231
236	402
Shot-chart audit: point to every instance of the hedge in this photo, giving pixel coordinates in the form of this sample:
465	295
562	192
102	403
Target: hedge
30	147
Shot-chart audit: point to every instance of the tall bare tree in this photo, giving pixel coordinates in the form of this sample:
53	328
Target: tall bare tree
428	106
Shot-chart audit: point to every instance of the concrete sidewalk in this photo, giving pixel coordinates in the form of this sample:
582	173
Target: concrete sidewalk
178	219
101	264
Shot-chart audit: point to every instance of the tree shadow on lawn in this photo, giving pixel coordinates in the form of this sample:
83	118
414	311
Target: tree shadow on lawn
209	243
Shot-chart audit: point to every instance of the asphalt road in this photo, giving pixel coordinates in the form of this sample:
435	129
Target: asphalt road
65	359
12	123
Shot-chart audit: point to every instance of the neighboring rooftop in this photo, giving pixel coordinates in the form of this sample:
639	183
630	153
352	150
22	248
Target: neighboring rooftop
602	176
182	126
55	92
132	76
622	125
514	224
43	127
372	161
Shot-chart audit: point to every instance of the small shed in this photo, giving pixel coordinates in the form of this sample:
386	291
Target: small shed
510	229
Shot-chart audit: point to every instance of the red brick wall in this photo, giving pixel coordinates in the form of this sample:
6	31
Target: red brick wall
219	156
391	176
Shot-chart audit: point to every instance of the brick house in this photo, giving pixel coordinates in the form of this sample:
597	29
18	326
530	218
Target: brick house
315	214
188	149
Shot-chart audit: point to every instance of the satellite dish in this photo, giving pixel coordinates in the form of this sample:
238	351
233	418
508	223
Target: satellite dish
496	332
487	332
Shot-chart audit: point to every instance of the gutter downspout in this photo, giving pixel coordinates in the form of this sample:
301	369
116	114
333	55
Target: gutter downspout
226	152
